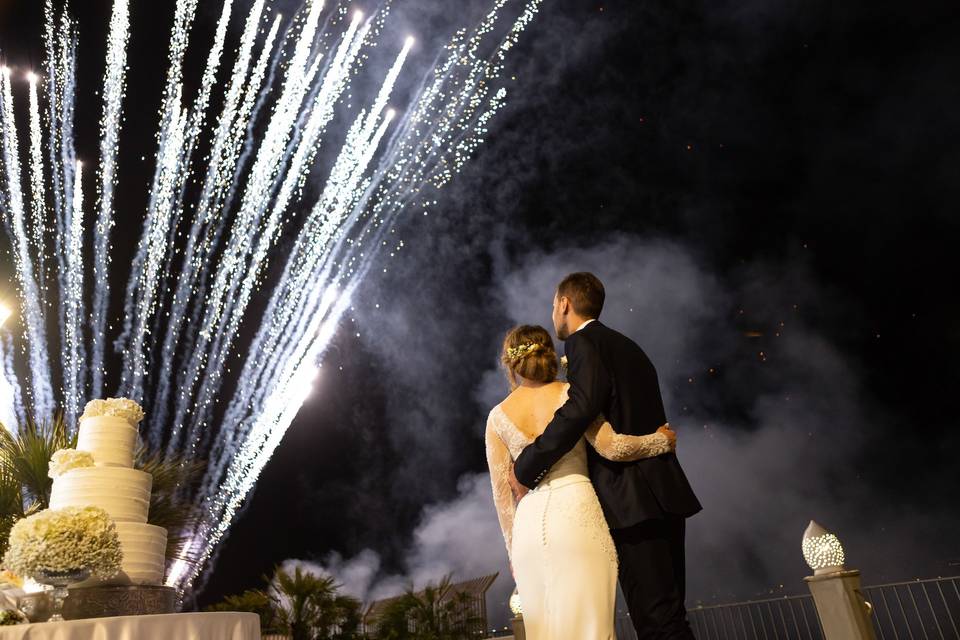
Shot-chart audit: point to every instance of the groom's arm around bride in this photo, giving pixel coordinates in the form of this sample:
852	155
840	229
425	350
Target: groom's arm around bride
645	502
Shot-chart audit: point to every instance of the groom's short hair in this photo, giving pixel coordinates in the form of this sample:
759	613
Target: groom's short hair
585	293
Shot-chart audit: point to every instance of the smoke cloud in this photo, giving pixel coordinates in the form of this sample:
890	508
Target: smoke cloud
778	424
774	427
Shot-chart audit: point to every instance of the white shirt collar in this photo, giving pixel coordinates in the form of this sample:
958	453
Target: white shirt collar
585	324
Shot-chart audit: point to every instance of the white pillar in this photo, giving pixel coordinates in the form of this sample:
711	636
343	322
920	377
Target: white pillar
518	631
844	612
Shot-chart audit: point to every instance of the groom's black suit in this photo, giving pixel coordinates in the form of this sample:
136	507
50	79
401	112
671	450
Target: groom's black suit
645	502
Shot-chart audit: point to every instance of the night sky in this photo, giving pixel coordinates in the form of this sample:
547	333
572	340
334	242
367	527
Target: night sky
769	191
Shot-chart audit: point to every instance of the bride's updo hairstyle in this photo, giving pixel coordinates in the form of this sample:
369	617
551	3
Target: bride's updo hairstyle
528	352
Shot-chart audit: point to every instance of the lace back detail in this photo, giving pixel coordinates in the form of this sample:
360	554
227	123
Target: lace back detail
575	461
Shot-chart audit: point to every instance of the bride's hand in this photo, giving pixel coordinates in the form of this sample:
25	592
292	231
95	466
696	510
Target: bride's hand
671	435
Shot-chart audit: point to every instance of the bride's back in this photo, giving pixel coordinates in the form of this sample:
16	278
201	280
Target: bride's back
530	409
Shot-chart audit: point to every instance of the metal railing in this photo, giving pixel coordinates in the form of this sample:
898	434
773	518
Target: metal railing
917	610
788	618
922	609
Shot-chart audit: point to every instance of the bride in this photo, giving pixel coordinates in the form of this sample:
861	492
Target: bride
560	549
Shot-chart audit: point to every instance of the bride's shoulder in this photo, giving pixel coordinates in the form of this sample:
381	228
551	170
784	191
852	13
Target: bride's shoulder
494	411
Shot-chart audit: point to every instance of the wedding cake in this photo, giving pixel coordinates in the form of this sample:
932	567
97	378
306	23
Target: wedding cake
108	432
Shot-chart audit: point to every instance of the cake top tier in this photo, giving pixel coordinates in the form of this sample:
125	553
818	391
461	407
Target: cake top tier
114	407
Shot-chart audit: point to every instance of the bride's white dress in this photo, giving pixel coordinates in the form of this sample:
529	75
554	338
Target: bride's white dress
563	558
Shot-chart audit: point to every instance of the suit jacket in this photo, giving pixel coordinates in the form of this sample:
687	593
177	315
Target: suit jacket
610	375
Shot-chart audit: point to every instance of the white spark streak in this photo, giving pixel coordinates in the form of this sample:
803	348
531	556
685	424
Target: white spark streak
114	83
38	190
206	243
74	376
29	291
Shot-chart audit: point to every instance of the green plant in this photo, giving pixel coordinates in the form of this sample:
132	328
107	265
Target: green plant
438	612
300	604
254	601
168	508
11	504
311	606
26	453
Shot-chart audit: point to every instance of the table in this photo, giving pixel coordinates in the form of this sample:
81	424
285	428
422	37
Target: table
176	626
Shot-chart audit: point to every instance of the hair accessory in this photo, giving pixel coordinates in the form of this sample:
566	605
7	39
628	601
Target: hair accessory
522	351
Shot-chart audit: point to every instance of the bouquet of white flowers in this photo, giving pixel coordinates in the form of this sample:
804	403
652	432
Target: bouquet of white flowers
64	460
63	540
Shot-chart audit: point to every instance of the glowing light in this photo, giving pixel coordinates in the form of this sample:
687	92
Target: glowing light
822	550
5	314
31	77
32	586
515	605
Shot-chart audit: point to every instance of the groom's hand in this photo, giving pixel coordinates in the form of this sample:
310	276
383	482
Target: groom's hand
518	489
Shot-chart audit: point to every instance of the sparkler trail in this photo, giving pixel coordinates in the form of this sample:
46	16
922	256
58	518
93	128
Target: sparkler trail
114	80
9	387
75	374
29	291
37	188
211	224
223	154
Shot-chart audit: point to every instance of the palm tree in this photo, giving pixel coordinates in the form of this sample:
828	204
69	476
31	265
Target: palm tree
24	464
301	605
343	620
254	601
312	608
168	508
26	452
438	612
11	504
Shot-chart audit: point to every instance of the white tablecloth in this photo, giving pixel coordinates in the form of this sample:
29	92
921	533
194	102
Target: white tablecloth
177	626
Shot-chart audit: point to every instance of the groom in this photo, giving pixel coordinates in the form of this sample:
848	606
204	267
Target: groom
645	502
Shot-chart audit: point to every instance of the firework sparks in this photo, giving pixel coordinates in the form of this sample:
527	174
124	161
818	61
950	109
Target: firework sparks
203	251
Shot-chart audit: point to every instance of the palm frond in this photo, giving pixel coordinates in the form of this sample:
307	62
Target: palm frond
168	509
254	601
27	454
11	504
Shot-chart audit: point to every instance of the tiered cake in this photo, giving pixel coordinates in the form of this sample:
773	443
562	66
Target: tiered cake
108	431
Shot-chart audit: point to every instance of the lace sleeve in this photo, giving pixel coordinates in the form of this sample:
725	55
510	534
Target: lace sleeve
499	461
623	448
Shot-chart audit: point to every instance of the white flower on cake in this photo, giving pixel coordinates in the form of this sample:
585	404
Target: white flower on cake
117	407
61	540
66	459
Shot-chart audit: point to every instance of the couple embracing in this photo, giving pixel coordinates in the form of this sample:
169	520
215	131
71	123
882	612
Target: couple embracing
585	479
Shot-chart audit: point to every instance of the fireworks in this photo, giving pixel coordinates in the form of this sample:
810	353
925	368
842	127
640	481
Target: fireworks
210	223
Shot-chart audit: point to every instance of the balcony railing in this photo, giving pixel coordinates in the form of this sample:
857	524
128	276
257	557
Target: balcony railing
789	618
917	610
913	610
